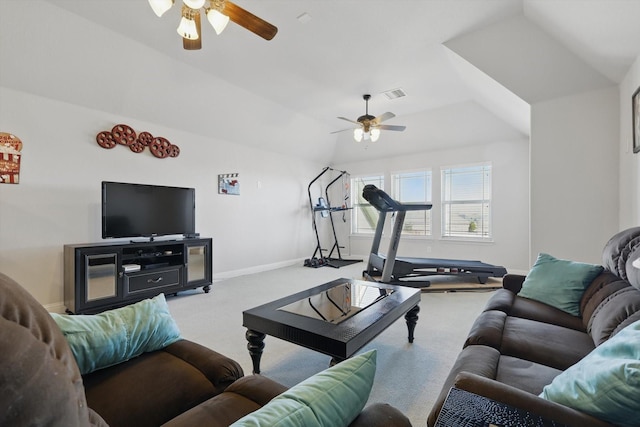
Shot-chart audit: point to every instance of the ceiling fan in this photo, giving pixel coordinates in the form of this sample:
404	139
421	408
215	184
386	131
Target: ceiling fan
369	126
218	13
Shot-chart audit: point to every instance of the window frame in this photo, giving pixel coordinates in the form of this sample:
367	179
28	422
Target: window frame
360	207
486	202
427	176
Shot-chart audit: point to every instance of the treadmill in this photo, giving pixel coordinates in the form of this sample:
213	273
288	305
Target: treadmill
403	270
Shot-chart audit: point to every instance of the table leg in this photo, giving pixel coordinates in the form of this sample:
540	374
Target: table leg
255	346
412	318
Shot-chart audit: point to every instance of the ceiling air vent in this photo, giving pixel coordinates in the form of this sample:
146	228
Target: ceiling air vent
395	93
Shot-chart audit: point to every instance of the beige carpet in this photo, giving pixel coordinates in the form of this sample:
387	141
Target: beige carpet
409	376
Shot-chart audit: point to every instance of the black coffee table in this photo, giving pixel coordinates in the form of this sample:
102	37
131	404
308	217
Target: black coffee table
336	318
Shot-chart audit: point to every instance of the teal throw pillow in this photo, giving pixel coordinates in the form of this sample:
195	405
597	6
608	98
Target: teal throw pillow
331	398
559	283
606	383
101	340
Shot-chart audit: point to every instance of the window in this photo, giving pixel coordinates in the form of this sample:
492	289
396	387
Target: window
466	202
364	217
413	187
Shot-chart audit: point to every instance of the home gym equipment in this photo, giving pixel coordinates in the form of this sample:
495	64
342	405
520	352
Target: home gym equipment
401	270
323	206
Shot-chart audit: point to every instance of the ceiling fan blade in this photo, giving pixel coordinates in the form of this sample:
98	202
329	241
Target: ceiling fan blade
391	127
197	43
350	121
249	21
342	130
382	117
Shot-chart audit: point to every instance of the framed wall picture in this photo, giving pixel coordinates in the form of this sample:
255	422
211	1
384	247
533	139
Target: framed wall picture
635	113
229	183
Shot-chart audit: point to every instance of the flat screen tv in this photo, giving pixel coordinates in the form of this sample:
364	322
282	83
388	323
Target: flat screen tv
139	210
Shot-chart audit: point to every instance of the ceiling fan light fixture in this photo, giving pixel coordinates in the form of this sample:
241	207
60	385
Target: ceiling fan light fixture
194	4
358	133
187	28
217	20
369	127
160	6
219	13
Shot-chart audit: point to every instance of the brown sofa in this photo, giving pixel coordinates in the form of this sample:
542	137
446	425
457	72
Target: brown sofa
182	384
517	346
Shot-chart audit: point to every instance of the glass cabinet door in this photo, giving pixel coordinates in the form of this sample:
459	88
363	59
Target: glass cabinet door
196	263
101	276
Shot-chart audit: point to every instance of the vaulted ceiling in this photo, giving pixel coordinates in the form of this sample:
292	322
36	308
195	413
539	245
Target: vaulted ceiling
469	68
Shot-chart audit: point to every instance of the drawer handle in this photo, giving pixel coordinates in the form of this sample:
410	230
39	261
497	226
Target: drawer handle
158	280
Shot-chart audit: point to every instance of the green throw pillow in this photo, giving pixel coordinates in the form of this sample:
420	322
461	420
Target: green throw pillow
101	340
331	398
606	383
559	283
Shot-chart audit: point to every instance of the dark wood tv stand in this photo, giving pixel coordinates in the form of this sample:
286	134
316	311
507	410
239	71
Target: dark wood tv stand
101	276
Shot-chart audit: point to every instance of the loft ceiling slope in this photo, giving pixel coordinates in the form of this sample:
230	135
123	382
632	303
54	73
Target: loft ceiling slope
527	61
493	96
605	34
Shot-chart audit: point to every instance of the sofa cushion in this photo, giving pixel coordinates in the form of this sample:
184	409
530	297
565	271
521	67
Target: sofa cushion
331	398
598	291
506	301
559	283
246	395
606	383
524	374
617	251
544	343
148	390
529	339
114	336
616	311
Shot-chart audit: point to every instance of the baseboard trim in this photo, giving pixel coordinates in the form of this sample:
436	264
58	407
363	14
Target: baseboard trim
256	269
58	307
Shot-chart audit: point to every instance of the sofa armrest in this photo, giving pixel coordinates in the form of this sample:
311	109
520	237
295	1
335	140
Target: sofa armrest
219	369
380	415
513	282
523	400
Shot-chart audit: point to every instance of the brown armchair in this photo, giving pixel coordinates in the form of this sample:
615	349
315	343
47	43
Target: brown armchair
181	384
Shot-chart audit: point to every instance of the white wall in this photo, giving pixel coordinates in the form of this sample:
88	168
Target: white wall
629	162
58	198
510	209
574	175
574	134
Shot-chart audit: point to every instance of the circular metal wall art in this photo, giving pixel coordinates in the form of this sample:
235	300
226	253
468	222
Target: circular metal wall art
122	134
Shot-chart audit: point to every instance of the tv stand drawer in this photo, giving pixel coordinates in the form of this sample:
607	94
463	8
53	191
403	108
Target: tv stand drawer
145	281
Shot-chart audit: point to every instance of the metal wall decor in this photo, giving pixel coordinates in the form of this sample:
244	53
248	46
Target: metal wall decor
228	183
10	147
125	135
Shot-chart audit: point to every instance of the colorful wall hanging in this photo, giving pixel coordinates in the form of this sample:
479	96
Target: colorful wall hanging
228	183
10	147
125	135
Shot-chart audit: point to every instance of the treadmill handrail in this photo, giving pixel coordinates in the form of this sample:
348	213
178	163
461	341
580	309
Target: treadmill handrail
384	203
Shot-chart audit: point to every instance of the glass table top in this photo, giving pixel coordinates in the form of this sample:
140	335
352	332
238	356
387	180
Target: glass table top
337	304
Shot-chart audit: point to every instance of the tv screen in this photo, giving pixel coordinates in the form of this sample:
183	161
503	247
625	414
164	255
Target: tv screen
138	210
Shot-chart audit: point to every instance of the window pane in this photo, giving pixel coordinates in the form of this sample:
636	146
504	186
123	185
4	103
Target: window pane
466	202
364	217
414	187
